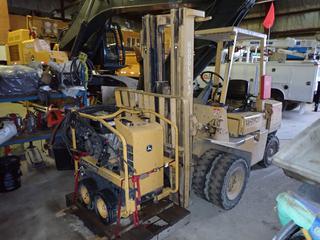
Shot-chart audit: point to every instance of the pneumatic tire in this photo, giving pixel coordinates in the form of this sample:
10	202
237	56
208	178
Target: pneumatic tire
228	181
201	172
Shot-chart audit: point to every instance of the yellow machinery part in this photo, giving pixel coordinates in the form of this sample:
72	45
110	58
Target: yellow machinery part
124	181
21	49
14	48
146	138
132	68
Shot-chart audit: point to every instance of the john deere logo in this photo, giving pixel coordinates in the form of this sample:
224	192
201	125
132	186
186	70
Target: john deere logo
149	148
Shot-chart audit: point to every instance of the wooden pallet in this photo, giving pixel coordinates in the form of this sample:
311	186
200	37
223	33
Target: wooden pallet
156	221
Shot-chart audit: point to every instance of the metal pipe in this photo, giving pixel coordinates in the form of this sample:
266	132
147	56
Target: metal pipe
263	1
38	106
74	146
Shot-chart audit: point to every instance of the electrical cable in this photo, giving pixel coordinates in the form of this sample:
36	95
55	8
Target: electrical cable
76	68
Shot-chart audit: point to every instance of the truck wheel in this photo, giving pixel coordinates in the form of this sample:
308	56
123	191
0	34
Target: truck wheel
228	181
278	96
202	169
291	105
87	189
272	147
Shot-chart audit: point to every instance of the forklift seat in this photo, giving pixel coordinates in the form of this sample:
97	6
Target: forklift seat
238	90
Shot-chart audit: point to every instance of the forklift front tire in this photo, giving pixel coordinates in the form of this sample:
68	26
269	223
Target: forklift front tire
202	171
228	181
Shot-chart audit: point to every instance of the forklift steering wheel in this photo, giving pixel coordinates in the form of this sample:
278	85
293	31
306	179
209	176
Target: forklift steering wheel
211	74
216	88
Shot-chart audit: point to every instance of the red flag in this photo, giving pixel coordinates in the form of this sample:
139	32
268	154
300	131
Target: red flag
269	20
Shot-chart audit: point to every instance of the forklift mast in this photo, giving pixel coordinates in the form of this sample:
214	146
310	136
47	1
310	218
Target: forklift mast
94	18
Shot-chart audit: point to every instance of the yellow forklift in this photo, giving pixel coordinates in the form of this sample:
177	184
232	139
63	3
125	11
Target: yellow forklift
137	163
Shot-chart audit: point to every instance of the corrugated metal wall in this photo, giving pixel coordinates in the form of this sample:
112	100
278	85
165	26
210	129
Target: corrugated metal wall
43	8
293	18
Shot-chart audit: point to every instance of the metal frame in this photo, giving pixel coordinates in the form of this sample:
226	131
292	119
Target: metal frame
231	34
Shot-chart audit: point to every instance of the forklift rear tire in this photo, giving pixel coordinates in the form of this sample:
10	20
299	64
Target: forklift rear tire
272	147
228	181
87	189
202	168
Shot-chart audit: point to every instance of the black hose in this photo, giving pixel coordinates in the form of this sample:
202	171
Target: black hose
98	108
73	117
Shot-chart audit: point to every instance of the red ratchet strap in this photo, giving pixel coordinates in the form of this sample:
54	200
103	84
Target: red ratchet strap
76	158
76	184
136	186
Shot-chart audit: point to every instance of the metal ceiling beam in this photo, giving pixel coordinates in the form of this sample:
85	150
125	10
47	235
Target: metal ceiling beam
263	1
296	32
280	14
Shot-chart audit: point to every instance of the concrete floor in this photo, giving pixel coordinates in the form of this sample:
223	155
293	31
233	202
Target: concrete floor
34	210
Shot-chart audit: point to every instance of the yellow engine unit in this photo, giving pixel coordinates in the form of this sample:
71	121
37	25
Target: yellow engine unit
136	166
21	49
145	151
